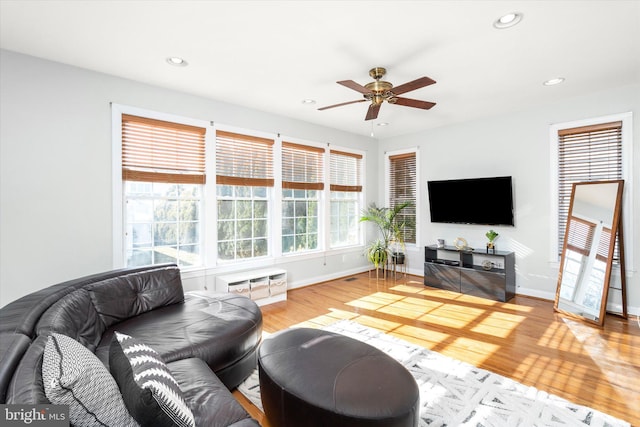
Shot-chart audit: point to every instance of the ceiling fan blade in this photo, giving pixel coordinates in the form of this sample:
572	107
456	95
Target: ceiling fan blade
413	85
341	104
355	86
415	103
372	112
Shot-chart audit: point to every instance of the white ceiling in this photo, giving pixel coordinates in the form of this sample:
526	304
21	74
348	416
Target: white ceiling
270	55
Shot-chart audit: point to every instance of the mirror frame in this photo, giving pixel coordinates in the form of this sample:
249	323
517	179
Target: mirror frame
616	233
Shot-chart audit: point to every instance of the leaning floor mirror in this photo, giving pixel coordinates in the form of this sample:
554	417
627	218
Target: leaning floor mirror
593	243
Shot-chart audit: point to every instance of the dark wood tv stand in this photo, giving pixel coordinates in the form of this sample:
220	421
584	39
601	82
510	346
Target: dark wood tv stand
463	275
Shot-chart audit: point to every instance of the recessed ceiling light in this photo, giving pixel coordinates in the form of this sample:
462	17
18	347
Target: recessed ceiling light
308	101
508	20
383	124
555	81
177	61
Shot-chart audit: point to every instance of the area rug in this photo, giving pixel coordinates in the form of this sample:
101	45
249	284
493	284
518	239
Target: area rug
454	393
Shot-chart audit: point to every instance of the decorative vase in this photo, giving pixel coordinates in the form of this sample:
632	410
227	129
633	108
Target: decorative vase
398	258
491	246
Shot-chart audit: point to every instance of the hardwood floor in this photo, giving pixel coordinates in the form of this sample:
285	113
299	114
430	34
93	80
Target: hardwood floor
523	339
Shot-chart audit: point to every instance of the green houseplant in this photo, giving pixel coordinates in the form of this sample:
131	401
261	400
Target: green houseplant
390	230
491	235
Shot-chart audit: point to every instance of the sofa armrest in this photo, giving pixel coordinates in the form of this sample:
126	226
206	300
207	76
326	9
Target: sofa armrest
12	348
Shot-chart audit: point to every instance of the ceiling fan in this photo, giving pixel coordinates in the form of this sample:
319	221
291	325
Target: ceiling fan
379	91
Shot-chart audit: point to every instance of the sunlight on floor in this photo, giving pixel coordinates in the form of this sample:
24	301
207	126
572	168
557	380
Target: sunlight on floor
523	340
618	373
457	312
498	324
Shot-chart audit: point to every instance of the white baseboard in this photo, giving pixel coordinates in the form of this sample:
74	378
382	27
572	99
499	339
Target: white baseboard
325	278
536	293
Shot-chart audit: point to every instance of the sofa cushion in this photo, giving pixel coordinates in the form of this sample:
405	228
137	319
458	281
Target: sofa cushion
74	376
22	315
151	393
220	329
212	403
74	316
127	296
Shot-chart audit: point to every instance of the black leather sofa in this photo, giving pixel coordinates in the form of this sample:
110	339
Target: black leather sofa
222	330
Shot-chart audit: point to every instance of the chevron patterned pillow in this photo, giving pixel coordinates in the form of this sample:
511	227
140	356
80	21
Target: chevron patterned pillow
150	391
74	376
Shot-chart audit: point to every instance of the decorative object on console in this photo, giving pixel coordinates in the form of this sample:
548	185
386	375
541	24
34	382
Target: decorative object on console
440	243
487	265
491	235
460	243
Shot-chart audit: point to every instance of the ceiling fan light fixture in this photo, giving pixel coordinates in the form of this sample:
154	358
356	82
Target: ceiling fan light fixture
378	91
308	101
508	20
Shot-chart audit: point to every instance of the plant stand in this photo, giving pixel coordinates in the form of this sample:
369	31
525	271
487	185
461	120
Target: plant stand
377	269
399	263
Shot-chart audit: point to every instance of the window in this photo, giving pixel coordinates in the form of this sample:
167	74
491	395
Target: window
587	250
271	197
586	153
345	198
163	174
244	181
402	188
302	185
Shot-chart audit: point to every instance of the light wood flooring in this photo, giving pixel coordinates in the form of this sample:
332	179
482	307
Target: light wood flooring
523	339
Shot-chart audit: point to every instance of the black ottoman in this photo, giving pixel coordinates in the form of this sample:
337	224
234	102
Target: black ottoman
311	377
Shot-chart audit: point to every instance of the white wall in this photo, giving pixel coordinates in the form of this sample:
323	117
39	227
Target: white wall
56	179
517	144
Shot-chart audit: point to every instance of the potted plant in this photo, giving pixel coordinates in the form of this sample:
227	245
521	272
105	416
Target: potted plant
491	235
377	253
390	232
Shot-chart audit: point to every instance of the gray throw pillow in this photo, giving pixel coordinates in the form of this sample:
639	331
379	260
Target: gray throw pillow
74	376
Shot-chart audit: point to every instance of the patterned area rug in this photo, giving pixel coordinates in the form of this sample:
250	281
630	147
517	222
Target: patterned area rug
454	393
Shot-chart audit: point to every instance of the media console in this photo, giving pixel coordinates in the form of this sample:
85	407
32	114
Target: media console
464	275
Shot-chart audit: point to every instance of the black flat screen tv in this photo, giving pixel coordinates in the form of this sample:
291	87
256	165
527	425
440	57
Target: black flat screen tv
486	201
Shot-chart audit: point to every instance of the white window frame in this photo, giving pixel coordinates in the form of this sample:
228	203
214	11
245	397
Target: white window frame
117	191
274	250
627	175
387	188
323	244
209	222
327	197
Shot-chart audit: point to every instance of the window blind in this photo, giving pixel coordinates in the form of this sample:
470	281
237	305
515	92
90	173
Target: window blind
580	237
587	153
160	151
302	167
604	244
345	171
243	160
402	188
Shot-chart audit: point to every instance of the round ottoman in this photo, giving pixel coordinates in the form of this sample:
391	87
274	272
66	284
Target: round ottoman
310	377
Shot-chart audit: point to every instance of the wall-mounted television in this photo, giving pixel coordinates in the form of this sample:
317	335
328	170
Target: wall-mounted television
487	201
